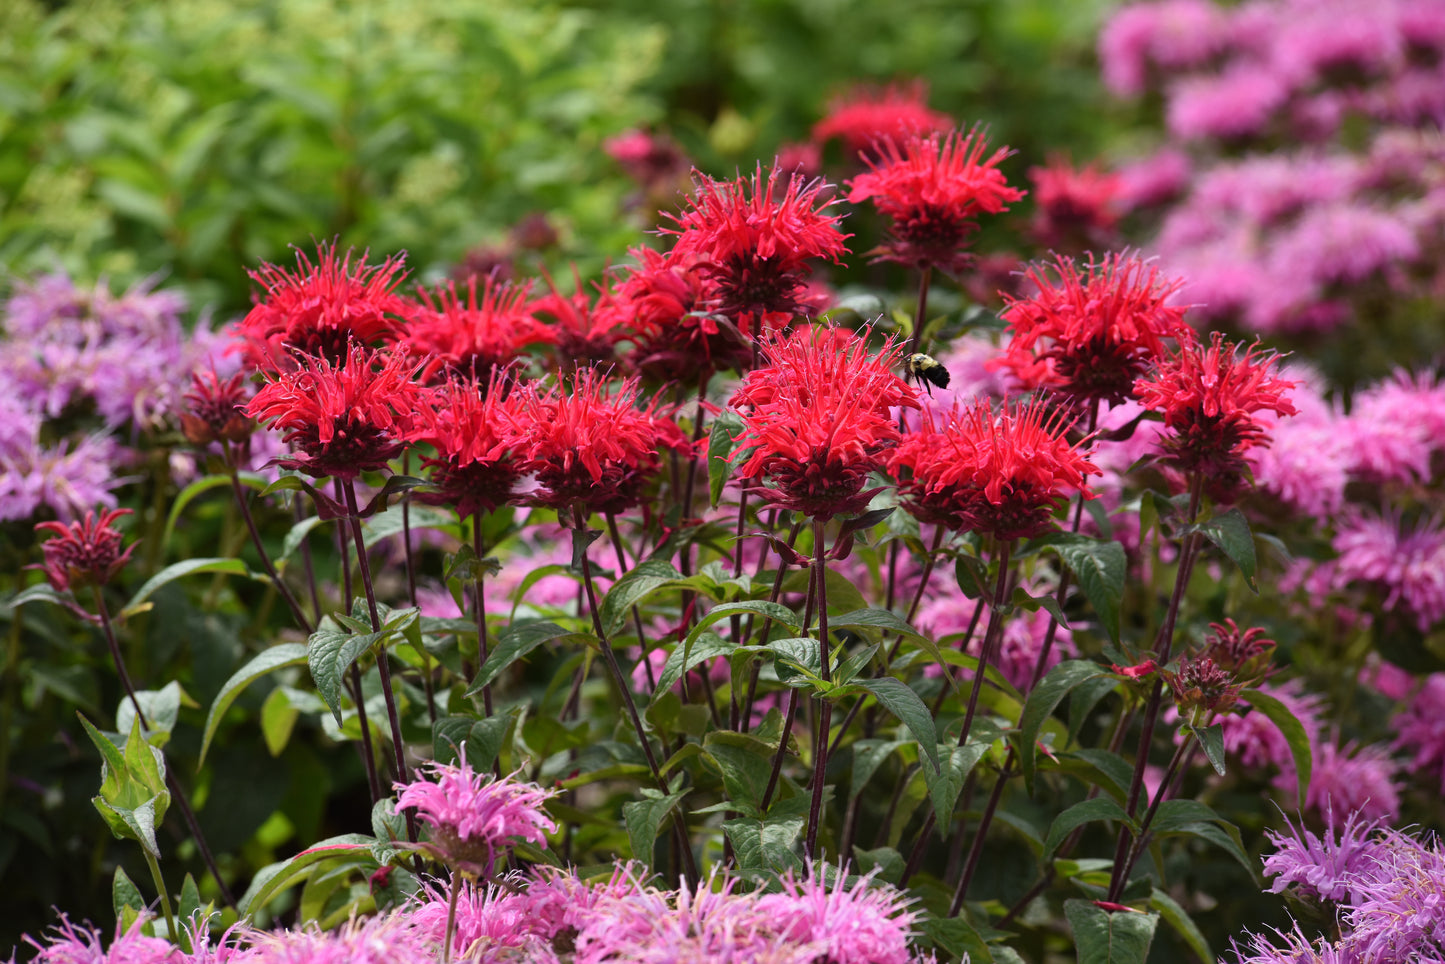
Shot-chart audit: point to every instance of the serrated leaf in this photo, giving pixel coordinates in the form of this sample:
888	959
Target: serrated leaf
945	785
1294	732
1040	705
720	444
745	765
900	700
643	818
179	570
483	738
516	641
267	661
1104	937
1087	811
1230	532
1100	568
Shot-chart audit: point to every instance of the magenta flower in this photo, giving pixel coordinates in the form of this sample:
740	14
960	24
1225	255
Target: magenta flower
473	816
1421	728
1323	866
858	924
69	944
1348	779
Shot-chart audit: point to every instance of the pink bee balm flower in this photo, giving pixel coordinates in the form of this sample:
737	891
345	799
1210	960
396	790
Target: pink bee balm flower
473	816
861	924
1422	728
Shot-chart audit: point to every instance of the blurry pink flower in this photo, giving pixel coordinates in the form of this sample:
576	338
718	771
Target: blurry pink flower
1386	447
1349	780
1407	561
1237	102
1421	728
1153	180
1172	34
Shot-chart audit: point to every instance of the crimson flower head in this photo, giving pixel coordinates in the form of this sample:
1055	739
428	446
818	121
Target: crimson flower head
84	553
1202	688
868	113
322	309
818	418
473	816
933	188
1074	208
591	447
585	330
755	241
216	409
1245	653
1089	333
474	432
473	339
1002	473
1211	397
675	337
345	418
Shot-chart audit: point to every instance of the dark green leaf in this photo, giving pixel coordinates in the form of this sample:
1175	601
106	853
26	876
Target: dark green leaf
1040	705
1294	734
516	641
1088	811
644	817
868	755
745	764
1102	937
708	646
725	428
1024	599
647	577
900	700
946	784
180	569
287	654
1230	532
957	938
1100	568
124	894
1176	917
1212	739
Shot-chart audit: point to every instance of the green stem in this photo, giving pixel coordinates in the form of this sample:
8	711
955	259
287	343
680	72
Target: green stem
161	889
451	917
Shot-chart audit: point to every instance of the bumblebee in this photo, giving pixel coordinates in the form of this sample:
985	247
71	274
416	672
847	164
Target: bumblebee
927	371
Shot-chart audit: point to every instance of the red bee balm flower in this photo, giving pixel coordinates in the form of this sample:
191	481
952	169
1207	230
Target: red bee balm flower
322	308
1210	397
216	409
584	331
474	433
1074	208
84	553
755	245
345	418
818	419
999	473
676	338
866	114
933	188
474	339
592	447
1091	334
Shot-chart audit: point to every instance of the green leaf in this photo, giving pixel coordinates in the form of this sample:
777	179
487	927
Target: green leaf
1100	568
1024	599
177	571
124	894
708	646
957	938
516	641
1040	705
900	700
883	619
198	487
278	718
1121	937
868	755
946	784
644	817
296	535
1193	818
745	764
632	588
287	654
483	738
190	900
1230	532
389	522
1088	811
1178	919
1212	739
1294	734
39	593
352	849
770	845
725	428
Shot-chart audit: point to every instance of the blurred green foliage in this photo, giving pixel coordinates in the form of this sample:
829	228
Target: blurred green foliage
199	137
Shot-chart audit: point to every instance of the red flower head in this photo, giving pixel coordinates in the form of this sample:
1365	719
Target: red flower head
586	332
345	418
675	336
1210	397
755	246
475	431
84	553
867	114
1090	334
322	309
1245	653
933	188
216	409
999	473
1202	688
477	338
817	419
591	447
1074	208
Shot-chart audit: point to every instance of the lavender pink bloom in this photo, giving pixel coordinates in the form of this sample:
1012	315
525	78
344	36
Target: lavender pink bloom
473	816
1421	729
